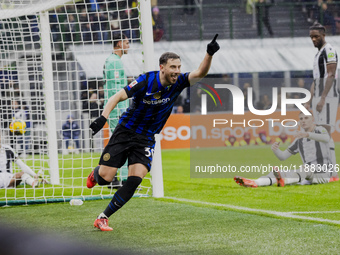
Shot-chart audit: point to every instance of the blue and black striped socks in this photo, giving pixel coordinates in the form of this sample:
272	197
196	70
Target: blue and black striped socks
123	195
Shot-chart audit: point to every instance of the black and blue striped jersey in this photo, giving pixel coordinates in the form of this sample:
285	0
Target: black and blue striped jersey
151	102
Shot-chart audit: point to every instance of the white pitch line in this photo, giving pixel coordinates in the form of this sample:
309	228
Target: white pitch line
320	212
247	209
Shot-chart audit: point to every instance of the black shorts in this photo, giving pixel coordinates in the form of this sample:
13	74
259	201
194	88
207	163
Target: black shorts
126	144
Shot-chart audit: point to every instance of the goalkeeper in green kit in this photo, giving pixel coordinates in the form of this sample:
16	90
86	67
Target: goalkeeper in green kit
115	79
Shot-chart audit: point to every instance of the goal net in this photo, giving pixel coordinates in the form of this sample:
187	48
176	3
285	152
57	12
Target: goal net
51	78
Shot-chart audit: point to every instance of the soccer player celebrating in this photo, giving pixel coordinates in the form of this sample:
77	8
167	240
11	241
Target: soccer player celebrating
153	95
325	96
7	178
115	80
312	142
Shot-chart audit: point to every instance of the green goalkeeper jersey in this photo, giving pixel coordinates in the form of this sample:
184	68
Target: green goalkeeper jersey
115	79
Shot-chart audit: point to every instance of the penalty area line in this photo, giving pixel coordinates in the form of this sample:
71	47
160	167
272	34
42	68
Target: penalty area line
288	215
315	212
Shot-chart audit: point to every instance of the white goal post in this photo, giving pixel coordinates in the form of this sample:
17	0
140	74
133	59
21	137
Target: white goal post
51	65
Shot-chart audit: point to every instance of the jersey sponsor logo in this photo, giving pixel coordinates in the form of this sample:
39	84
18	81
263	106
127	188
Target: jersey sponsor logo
106	157
133	83
154	102
330	55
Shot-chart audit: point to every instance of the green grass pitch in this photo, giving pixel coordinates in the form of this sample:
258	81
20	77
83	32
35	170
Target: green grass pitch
204	215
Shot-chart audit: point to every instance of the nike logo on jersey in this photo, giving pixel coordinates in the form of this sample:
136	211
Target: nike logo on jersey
150	94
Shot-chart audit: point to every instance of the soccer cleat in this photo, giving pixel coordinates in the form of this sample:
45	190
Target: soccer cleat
91	182
245	182
280	181
102	224
334	178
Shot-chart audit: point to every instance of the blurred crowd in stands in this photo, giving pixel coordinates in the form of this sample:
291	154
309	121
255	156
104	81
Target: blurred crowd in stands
92	20
97	20
326	12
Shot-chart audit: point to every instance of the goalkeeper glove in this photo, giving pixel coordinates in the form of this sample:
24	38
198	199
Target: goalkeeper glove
98	124
213	46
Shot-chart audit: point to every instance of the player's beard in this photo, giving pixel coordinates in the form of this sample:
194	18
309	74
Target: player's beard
319	44
172	78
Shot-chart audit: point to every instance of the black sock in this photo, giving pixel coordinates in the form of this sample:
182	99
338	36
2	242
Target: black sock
299	177
271	182
123	195
98	178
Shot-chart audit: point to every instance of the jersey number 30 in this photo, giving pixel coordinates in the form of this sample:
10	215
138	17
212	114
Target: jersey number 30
149	152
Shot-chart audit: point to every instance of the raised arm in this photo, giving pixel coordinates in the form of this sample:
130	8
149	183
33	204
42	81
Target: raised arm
322	137
204	67
99	123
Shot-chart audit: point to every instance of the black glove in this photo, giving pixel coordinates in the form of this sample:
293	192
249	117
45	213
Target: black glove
98	124
213	46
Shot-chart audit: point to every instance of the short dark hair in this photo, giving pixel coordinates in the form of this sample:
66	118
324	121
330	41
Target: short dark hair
117	37
317	26
166	56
